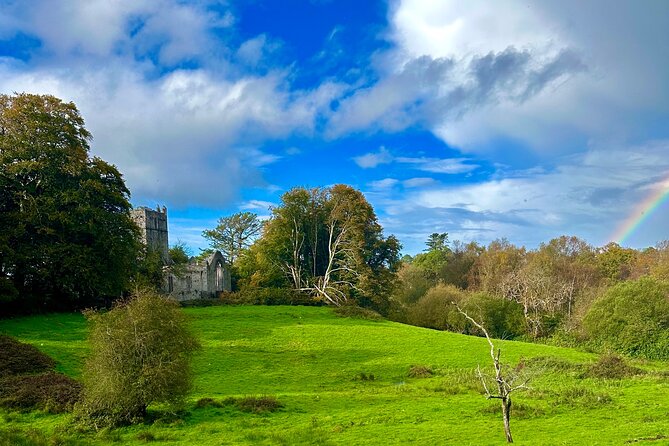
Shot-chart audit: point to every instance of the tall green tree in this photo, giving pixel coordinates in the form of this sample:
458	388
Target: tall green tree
328	241
234	234
66	234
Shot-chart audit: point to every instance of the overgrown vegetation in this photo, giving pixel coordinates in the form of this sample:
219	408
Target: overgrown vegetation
17	358
28	382
140	354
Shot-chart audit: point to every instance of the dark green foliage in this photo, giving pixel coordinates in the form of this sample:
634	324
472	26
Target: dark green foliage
66	236
201	302
179	253
436	309
52	392
611	367
502	318
141	352
632	318
420	371
413	282
260	404
268	296
17	358
234	234
328	241
355	312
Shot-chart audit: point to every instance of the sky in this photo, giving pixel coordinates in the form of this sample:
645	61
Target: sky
518	119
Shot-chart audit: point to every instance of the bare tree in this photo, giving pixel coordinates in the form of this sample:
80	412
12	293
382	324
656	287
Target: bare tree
506	380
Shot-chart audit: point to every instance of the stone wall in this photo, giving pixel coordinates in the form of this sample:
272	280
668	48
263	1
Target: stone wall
199	280
153	229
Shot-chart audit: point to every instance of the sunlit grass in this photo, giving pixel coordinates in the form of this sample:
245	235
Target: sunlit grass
312	362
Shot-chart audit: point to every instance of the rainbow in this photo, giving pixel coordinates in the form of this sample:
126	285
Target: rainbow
641	213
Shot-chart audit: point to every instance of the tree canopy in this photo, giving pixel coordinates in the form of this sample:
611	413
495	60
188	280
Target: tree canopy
66	236
234	234
327	241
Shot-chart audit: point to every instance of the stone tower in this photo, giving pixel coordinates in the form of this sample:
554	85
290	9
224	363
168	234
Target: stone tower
153	229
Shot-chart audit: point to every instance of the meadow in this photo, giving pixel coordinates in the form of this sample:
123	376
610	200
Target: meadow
345	381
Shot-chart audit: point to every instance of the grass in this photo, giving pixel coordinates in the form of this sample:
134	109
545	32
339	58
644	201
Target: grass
308	362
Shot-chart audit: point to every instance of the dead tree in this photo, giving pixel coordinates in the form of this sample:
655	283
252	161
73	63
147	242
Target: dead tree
505	380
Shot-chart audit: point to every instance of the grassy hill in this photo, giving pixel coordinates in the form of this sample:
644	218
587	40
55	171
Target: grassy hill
319	366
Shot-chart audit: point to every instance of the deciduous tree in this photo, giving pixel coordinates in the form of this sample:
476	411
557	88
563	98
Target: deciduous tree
66	234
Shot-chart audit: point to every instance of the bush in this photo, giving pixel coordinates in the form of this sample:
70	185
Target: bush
17	358
52	392
268	296
261	404
356	312
632	318
436	309
611	367
502	318
420	371
141	352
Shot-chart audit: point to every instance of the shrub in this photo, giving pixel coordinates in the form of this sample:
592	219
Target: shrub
420	371
141	351
502	318
17	358
611	367
267	296
356	312
632	318
436	309
261	404
52	392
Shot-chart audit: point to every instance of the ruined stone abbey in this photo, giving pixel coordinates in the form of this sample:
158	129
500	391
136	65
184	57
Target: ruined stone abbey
197	279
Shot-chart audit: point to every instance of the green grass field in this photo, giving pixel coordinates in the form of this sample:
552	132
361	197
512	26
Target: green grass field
312	361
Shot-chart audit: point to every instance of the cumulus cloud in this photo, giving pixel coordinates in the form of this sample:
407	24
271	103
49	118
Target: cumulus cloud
429	91
558	111
183	136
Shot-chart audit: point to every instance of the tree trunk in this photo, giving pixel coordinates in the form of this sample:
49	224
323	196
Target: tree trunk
506	414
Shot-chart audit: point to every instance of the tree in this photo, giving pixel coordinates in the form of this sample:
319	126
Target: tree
328	242
234	234
66	234
140	354
437	242
180	253
632	318
507	381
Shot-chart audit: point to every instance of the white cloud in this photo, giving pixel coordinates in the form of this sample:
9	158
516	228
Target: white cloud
585	195
257	205
625	78
425	164
384	184
184	137
373	159
419	182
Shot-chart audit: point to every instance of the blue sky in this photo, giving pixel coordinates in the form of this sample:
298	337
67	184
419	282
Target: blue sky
517	119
